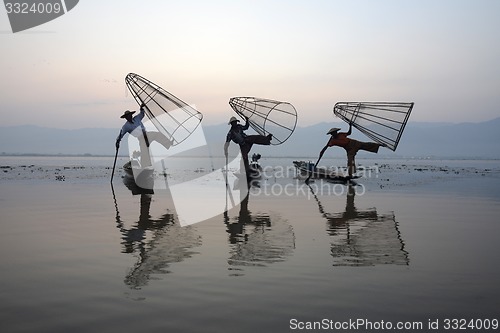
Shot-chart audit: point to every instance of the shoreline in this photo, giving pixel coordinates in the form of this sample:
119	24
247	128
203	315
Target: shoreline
360	157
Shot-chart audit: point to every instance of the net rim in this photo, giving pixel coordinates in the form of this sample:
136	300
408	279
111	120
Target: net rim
133	77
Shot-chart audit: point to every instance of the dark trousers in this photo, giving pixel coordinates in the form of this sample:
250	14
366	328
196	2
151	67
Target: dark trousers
145	153
247	146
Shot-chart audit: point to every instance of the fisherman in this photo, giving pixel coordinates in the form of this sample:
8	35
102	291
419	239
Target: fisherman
135	127
237	135
351	147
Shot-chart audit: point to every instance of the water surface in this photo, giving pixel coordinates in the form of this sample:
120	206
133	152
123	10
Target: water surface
410	244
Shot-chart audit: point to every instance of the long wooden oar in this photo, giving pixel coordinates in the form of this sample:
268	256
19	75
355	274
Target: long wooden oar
228	190
315	165
114	164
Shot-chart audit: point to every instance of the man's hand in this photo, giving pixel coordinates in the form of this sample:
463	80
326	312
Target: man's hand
350	129
117	144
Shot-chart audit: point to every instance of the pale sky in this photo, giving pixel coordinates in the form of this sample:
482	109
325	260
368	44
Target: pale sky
443	55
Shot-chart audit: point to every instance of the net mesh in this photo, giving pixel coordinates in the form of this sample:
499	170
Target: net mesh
171	116
267	116
383	122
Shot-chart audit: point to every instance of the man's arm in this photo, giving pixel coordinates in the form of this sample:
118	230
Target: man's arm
141	113
350	129
247	124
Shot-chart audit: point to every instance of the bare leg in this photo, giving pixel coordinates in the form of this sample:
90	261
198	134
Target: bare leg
351	163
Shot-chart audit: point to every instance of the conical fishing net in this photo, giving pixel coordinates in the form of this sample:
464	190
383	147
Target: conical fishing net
383	122
267	116
171	116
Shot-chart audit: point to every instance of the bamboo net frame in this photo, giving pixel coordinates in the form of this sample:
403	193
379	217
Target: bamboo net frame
170	115
383	122
267	116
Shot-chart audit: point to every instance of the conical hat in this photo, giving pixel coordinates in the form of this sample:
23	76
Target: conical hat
333	130
127	113
231	120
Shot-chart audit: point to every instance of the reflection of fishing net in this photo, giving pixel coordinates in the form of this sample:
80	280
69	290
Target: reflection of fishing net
172	117
267	116
169	244
383	122
363	237
369	239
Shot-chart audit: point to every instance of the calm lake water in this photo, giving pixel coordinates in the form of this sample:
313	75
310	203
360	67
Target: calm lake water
418	242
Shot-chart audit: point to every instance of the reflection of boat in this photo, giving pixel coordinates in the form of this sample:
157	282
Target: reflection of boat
130	183
307	168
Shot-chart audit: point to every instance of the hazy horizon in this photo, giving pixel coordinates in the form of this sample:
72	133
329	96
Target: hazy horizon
419	139
333	121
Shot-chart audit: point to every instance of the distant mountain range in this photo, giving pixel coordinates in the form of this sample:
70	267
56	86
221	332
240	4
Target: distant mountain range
438	140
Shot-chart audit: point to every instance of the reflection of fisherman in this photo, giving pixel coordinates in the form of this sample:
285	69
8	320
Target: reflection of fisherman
351	146
237	135
237	230
154	253
255	240
351	213
135	127
135	236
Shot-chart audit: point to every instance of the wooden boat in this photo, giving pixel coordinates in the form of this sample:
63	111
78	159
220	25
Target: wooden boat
306	169
143	178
